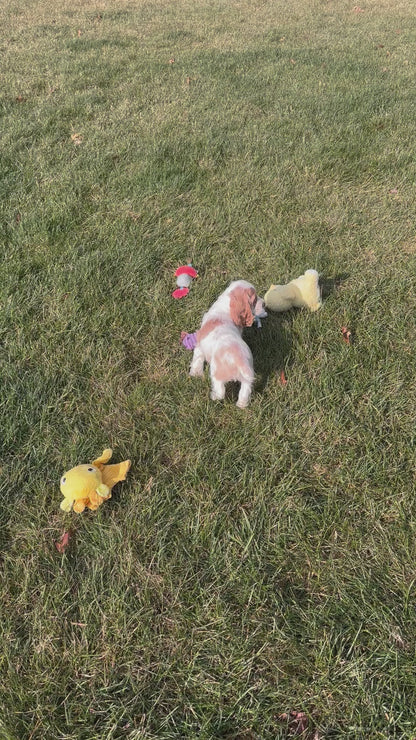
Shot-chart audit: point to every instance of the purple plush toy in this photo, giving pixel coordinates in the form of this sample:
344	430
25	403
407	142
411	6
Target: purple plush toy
189	341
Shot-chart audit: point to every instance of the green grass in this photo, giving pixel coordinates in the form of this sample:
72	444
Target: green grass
255	562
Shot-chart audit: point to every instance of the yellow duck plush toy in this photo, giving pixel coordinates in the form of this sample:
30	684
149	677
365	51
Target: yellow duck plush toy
90	485
304	292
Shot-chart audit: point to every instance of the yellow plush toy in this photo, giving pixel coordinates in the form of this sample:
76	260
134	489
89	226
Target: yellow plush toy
90	485
302	292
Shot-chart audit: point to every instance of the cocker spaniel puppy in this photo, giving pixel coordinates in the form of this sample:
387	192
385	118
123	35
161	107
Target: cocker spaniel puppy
220	343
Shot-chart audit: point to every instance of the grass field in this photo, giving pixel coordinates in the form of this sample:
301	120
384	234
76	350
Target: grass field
254	563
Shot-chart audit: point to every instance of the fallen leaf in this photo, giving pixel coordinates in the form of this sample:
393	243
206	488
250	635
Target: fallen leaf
283	377
172	60
63	542
20	99
188	80
398	640
77	139
357	9
79	32
292	61
346	334
148	486
297	722
134	216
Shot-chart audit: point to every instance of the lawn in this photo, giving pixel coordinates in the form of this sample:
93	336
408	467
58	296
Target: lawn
255	564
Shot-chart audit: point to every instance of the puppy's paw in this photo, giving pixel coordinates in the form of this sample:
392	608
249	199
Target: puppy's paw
242	403
216	397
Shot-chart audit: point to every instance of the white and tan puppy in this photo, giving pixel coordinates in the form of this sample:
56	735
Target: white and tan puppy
220	343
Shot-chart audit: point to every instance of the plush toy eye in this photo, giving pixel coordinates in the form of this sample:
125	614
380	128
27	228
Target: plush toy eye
63	479
90	470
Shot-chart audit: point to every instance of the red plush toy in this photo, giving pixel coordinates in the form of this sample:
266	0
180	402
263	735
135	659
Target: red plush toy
184	276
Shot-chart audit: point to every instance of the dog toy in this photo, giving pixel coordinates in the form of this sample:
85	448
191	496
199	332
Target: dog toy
184	276
90	485
189	341
302	292
259	312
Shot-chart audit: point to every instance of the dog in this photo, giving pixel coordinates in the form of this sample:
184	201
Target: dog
220	342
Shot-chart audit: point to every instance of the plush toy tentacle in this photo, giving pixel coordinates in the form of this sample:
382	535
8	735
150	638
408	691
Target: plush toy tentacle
104	458
66	505
112	474
103	491
80	505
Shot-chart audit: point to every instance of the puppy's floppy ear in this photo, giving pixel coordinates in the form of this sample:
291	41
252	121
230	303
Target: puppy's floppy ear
242	301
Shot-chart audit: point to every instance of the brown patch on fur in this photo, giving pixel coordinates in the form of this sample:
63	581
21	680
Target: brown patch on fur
242	301
207	328
230	365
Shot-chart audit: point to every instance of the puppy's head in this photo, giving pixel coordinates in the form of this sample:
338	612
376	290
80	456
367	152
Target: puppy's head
242	304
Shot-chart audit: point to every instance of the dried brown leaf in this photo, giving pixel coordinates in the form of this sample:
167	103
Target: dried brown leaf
76	139
63	541
297	722
134	216
346	335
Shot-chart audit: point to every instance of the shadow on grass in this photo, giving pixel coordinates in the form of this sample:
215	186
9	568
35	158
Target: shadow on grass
271	347
272	344
330	285
5	540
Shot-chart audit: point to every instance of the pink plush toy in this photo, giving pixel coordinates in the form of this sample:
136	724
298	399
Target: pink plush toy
184	276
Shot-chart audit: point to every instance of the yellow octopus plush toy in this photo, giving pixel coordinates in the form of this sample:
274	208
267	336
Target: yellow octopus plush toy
88	486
